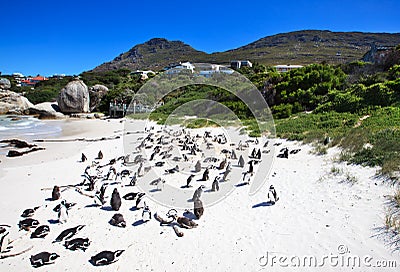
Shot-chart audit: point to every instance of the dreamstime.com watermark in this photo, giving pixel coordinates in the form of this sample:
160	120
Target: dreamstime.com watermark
343	258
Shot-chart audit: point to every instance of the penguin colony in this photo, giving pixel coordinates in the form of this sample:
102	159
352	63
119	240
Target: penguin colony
100	174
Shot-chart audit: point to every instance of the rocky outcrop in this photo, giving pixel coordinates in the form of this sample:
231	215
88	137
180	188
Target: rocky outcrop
47	110
74	97
5	84
13	103
96	93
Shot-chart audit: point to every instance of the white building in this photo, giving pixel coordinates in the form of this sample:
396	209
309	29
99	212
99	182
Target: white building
286	68
237	64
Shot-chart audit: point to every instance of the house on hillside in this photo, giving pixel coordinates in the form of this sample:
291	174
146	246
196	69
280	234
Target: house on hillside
177	68
143	74
286	68
237	64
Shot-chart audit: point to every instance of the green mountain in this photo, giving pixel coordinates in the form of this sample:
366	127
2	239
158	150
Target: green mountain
299	47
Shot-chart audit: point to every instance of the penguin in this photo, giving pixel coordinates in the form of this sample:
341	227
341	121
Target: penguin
83	158
139	199
68	233
65	203
62	213
251	167
198	208
115	201
241	161
28	223
29	212
226	173
258	154
106	257
77	243
130	196
185	222
4	243
159	164
205	175
41	232
43	258
253	153
272	191
215	184
198	192
133	180
233	155
222	165
101	195
118	220
197	167
56	195
146	213
189	180
100	155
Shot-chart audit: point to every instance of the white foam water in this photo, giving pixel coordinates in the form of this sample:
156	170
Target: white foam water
26	128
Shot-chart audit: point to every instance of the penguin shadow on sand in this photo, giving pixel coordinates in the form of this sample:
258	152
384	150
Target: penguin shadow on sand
188	214
53	221
134	208
138	223
106	208
264	204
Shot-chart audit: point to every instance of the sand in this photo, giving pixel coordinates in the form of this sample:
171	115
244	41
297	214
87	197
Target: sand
320	214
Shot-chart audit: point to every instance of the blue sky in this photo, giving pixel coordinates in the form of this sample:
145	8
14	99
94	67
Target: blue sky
69	37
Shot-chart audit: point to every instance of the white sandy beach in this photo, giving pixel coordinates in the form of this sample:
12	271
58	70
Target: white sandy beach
317	214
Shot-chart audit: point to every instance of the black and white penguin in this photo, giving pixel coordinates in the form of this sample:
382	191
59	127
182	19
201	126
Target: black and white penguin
106	257
65	203
159	164
146	213
133	180
29	212
28	223
115	201
139	199
241	161
118	220
251	167
272	192
43	258
130	196
198	192
101	195
68	233
206	175
215	184
77	243
41	232
258	154
62	213
100	155
189	180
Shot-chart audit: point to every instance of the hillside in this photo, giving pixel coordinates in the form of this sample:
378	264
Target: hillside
299	47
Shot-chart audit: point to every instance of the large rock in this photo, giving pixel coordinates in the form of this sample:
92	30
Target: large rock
74	97
47	110
96	93
13	103
5	84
